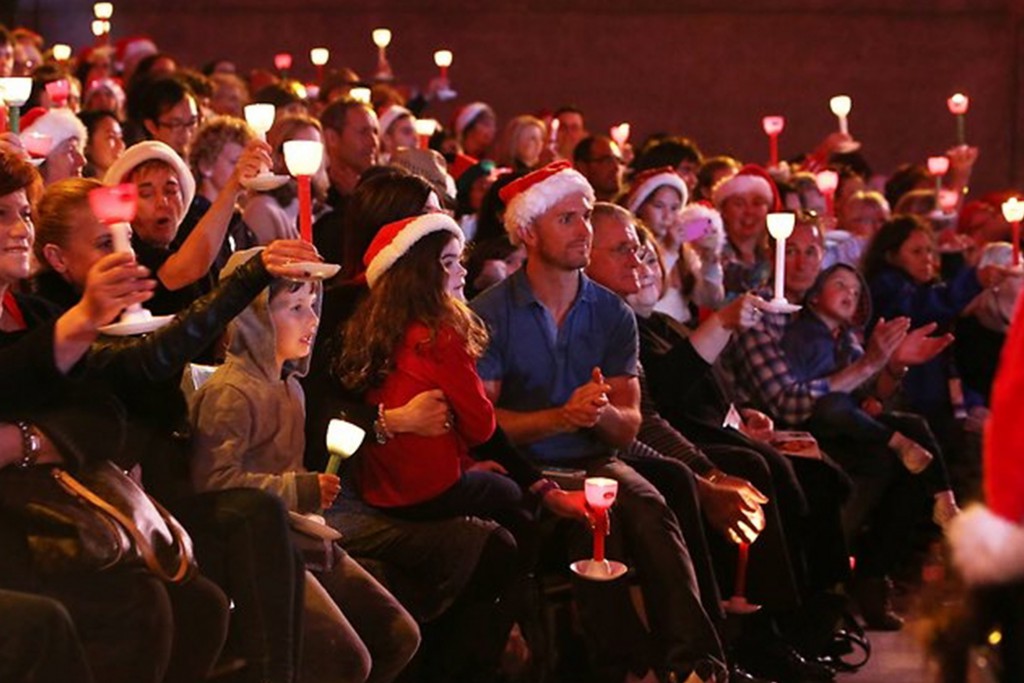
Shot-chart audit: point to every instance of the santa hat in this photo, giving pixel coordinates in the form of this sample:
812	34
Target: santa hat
714	235
395	239
150	150
110	85
467	114
389	115
59	124
988	542
750	178
528	197
462	163
130	50
647	182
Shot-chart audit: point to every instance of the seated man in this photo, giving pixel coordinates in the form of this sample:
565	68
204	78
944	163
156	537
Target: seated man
561	369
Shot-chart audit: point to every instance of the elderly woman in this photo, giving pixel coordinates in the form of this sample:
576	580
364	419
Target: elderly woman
67	138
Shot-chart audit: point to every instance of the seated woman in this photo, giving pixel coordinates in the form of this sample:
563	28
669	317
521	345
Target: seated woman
744	200
105	142
860	217
521	144
140	629
249	422
67	142
658	197
820	342
183	267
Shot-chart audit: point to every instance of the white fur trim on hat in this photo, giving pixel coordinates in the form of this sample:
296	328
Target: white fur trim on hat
535	200
467	114
142	152
649	185
987	548
390	115
714	239
61	125
741	183
410	234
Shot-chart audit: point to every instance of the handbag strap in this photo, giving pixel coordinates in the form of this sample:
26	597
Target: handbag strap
145	549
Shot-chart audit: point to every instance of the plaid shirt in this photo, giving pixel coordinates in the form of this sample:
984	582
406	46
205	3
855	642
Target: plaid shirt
761	373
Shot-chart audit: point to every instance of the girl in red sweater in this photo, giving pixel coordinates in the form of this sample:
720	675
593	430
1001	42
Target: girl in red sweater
414	333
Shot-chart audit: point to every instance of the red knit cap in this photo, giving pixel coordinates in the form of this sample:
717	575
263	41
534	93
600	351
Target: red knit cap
395	239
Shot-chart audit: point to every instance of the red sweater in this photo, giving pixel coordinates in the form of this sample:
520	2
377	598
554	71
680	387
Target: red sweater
410	469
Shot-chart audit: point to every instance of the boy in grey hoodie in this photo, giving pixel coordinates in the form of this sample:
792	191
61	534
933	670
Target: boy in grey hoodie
249	432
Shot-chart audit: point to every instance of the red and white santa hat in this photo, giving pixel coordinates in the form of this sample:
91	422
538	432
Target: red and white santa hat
714	236
988	541
467	114
528	197
749	179
647	182
395	239
58	124
389	115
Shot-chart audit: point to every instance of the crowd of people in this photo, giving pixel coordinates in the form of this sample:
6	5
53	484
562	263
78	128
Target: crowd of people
519	307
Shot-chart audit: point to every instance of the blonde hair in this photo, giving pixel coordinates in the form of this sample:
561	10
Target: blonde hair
211	138
53	212
514	129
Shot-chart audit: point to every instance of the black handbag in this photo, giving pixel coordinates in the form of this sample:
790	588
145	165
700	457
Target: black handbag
94	520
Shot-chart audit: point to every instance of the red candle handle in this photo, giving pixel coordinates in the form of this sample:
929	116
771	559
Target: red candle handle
774	149
830	204
306	208
444	73
741	570
319	74
1015	227
600	531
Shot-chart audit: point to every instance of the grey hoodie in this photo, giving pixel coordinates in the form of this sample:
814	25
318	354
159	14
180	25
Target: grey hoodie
249	421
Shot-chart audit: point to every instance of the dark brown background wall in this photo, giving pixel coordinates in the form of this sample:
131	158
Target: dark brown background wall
709	69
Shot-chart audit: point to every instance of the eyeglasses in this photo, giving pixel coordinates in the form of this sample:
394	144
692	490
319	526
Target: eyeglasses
177	124
624	250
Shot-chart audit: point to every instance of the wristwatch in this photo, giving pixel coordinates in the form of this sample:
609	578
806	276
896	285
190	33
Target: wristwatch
31	444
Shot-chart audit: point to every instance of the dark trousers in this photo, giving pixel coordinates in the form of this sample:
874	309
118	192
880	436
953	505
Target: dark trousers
135	628
38	641
243	543
838	417
646	534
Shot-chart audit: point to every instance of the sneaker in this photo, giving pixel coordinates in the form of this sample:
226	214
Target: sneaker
912	454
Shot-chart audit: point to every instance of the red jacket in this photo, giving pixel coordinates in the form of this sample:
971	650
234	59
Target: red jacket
410	469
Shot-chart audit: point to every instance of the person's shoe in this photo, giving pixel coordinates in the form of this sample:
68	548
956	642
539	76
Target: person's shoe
873	596
913	455
945	509
779	661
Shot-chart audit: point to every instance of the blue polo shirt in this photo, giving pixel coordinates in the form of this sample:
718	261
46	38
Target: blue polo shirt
540	365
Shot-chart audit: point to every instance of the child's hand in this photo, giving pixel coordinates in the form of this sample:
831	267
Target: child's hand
330	486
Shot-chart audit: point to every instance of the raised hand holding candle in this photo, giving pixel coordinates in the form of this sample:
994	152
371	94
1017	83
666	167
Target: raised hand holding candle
773	126
840	106
780	226
958	105
303	158
260	118
1013	212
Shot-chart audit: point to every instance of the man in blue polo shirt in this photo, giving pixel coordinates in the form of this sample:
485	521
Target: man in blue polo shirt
561	370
